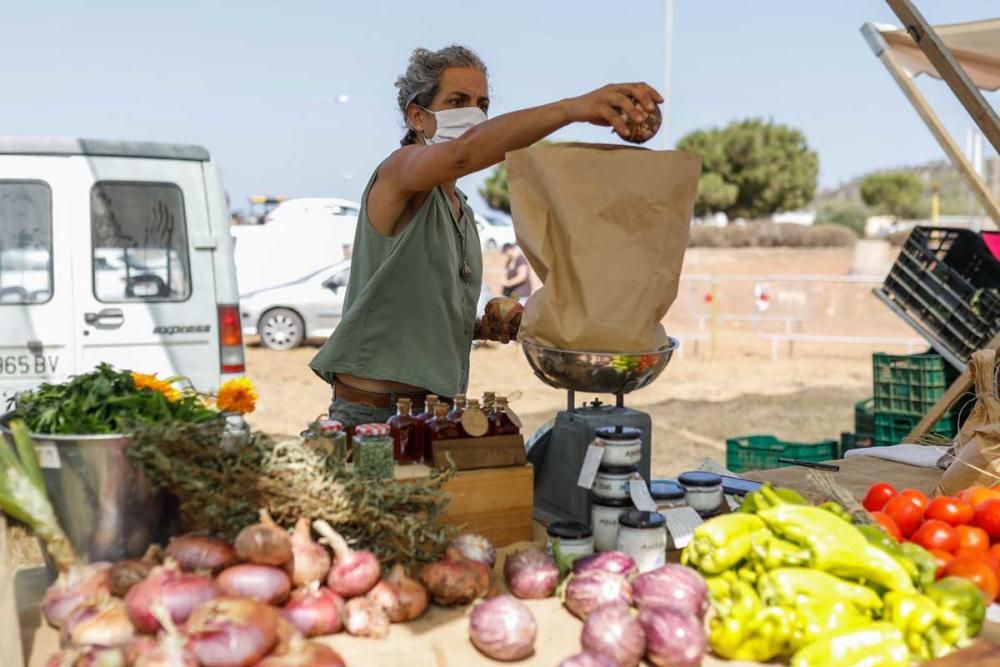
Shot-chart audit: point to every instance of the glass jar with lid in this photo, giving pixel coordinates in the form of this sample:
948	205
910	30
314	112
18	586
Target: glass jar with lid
575	539
604	514
612	482
333	436
667	494
373	455
622	445
704	490
643	536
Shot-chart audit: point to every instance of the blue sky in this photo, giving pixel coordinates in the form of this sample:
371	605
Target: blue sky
257	82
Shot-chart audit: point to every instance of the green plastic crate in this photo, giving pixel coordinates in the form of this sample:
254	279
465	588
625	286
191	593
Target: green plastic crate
849	441
864	416
761	452
908	384
890	429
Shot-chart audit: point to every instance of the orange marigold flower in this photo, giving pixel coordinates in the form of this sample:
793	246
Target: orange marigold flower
146	381
237	396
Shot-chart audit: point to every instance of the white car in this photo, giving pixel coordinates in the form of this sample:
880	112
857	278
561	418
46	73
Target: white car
495	229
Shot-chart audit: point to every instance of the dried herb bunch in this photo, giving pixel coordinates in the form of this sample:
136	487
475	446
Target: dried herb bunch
221	488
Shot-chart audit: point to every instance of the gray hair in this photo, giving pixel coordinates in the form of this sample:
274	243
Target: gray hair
422	79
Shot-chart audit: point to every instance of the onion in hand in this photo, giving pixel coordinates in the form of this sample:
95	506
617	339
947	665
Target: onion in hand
613	631
314	610
264	543
310	561
353	572
503	628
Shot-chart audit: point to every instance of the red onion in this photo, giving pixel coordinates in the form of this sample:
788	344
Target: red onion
179	592
531	574
503	628
456	581
364	618
617	562
88	656
102	622
74	587
314	611
587	659
232	632
300	653
402	597
264	543
591	589
140	646
258	582
168	650
195	552
310	561
353	572
472	546
613	631
674	637
671	585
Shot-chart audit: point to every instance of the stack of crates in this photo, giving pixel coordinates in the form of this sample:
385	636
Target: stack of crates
906	388
864	427
761	452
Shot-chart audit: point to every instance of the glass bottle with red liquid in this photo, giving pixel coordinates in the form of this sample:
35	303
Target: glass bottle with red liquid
405	433
456	412
441	427
423	437
500	421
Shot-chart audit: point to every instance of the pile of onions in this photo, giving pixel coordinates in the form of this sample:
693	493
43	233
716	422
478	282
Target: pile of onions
300	653
403	598
456	581
232	632
531	574
364	618
264	543
617	562
613	631
88	656
194	553
472	546
671	585
587	659
674	637
102	622
127	573
74	587
354	572
179	592
258	582
169	650
310	561
314	610
503	628
595	588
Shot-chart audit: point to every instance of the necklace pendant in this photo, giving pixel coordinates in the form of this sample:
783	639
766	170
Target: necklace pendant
466	271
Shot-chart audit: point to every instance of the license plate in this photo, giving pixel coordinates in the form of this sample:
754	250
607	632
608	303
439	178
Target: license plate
17	365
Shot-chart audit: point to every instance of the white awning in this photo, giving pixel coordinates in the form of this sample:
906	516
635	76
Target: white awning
976	45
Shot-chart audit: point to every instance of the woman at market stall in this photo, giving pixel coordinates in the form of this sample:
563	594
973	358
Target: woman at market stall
409	315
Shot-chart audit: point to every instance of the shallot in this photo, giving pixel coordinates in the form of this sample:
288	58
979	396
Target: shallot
472	546
364	618
503	628
264	543
314	610
591	589
79	584
613	631
178	591
167	651
310	561
353	572
402	597
617	562
258	582
587	659
674	637
232	632
301	653
102	622
531	574
456	581
88	656
671	585
195	552
127	573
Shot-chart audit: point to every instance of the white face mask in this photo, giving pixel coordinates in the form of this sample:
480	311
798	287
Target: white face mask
453	123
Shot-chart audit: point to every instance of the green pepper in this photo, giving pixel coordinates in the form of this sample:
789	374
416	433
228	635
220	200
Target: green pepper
795	586
837	546
962	597
720	543
817	620
875	645
925	562
769	496
741	629
882	540
770	551
837	510
928	630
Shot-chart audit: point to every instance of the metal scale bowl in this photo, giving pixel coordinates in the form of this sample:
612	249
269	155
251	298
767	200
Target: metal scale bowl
557	450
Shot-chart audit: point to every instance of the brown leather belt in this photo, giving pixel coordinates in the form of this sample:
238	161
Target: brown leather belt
377	400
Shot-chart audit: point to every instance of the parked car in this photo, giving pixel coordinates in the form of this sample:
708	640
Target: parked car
495	229
114	252
287	315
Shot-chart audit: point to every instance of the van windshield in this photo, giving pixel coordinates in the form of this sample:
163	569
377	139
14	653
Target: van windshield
25	242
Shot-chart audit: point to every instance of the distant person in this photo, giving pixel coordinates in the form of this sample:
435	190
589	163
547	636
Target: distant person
517	285
409	315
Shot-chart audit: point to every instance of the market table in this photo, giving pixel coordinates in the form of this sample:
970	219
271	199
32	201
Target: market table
440	637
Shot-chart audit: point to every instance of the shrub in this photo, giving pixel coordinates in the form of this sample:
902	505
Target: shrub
771	235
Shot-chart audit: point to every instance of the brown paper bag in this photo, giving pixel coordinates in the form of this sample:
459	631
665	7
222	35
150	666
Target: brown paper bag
605	228
978	462
986	411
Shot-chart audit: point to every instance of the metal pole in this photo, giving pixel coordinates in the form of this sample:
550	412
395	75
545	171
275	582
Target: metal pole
668	39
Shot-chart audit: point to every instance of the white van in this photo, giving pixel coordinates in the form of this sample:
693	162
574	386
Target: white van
114	252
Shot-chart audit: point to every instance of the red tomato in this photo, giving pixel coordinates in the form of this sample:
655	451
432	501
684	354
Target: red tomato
936	534
970	537
942	558
988	517
975	495
977	571
906	512
995	551
919	496
950	510
984	556
878	495
888	525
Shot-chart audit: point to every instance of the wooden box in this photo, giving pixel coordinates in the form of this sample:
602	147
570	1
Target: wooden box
495	502
494	451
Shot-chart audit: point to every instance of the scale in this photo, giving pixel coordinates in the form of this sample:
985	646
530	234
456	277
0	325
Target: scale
557	450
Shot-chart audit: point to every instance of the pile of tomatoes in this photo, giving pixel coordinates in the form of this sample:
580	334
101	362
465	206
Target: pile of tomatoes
962	532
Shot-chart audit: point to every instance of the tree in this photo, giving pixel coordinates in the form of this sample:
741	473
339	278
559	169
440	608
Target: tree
770	166
895	193
846	213
494	189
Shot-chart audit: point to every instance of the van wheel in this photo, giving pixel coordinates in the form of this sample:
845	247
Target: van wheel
281	329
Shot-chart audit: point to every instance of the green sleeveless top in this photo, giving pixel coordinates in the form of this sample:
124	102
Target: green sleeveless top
408	313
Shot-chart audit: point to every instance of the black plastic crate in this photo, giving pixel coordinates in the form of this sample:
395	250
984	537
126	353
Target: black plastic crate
949	281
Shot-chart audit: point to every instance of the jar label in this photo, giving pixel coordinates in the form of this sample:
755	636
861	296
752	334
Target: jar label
639	492
474	422
48	456
591	462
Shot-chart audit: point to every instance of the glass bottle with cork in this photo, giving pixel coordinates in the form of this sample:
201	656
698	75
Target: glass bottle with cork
475	424
500	421
423	436
489	400
441	427
456	412
405	431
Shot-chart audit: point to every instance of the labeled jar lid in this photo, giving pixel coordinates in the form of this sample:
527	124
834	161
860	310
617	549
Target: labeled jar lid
612	502
371	430
618	433
666	490
328	426
617	470
699	478
637	519
570	530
